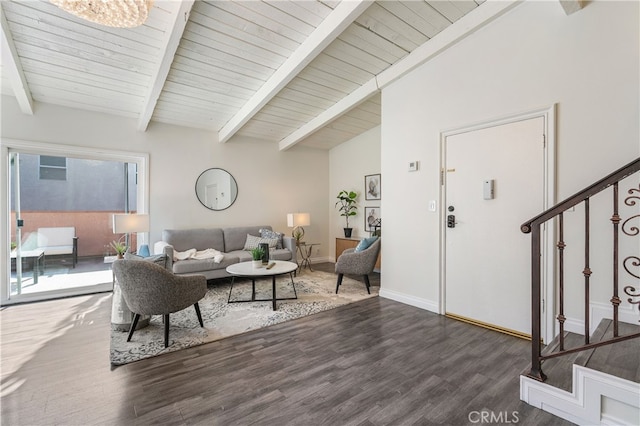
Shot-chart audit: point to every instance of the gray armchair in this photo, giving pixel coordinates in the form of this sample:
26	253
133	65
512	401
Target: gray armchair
150	289
360	263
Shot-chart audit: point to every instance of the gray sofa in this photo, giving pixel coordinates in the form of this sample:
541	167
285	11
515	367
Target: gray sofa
230	241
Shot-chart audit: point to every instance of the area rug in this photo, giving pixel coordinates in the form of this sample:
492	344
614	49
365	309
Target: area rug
315	291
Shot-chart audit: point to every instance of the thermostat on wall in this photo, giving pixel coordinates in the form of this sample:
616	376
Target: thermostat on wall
413	166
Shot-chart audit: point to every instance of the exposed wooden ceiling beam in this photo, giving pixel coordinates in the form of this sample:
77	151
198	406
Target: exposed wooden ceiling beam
330	28
171	42
12	66
465	26
571	6
341	107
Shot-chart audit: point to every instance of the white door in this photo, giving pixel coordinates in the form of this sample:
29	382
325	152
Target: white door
488	272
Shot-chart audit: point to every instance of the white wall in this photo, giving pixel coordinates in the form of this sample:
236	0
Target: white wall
349	163
270	183
532	57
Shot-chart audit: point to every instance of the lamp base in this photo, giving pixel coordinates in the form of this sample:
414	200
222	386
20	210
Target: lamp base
298	233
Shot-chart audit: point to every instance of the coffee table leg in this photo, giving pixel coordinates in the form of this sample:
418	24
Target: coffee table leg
253	289
274	292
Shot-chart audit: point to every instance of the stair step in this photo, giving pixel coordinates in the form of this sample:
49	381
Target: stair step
619	359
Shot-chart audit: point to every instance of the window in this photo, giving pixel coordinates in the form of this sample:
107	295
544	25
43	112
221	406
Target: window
53	168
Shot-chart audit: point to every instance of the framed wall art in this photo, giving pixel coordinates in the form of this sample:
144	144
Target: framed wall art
371	218
372	187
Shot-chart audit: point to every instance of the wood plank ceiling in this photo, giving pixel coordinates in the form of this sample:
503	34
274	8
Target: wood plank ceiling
287	72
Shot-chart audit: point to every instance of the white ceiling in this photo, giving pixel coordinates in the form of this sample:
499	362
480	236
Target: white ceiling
287	72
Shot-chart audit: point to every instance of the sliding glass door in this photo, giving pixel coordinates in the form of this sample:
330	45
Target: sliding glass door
60	212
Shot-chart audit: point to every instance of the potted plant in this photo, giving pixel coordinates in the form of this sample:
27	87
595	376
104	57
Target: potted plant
347	207
256	255
119	247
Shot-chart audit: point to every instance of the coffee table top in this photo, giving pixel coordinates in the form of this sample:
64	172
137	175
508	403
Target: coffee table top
246	269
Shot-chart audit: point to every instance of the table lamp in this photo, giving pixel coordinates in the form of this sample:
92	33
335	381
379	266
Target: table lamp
129	223
297	221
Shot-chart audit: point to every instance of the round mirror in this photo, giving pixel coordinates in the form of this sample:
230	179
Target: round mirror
216	189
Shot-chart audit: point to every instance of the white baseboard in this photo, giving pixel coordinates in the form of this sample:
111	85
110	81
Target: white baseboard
599	311
584	405
408	299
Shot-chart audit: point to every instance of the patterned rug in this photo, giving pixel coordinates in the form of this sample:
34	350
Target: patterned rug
315	290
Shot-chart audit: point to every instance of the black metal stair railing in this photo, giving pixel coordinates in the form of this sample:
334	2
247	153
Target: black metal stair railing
534	227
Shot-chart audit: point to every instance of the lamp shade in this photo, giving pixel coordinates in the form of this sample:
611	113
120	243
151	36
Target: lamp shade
127	223
298	219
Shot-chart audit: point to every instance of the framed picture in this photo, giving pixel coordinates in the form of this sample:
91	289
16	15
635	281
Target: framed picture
371	218
372	186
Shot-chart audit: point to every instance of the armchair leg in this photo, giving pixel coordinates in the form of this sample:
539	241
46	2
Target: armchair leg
366	282
134	324
166	330
339	282
198	314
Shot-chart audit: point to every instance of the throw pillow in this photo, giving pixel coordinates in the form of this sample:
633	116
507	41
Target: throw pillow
365	243
158	259
268	233
252	242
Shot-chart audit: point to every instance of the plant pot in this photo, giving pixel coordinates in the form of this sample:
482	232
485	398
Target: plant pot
347	232
257	263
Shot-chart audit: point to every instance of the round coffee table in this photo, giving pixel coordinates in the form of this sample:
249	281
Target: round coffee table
246	269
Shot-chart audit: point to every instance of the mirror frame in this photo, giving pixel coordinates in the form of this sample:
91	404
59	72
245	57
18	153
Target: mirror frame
201	180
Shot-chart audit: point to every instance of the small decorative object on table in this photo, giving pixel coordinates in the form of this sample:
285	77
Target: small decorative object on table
119	247
256	255
265	253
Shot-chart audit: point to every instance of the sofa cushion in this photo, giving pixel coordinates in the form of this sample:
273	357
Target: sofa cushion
280	254
55	250
199	239
193	265
158	259
254	242
268	233
234	238
241	255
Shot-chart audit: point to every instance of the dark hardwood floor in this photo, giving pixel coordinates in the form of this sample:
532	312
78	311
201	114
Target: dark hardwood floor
377	362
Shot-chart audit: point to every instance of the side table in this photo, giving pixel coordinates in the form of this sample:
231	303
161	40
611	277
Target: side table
305	250
121	316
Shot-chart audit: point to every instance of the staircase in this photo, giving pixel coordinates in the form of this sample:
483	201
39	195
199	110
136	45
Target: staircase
590	378
596	386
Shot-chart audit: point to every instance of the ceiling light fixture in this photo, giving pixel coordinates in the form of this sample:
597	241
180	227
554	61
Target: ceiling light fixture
112	13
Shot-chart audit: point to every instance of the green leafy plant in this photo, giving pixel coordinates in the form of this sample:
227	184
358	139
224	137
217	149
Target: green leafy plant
256	253
119	247
13	245
346	204
298	233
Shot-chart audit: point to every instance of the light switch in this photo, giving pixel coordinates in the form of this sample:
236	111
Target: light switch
432	205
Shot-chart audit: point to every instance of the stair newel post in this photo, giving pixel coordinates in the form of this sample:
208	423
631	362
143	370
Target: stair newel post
561	246
615	219
586	272
536	298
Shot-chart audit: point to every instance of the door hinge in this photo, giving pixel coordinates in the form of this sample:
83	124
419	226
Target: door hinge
543	310
441	177
544	140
